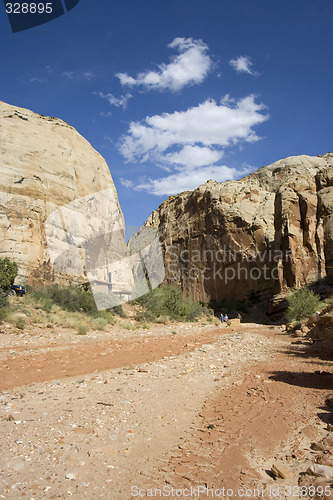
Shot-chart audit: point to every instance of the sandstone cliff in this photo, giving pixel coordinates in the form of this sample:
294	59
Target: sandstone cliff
59	213
264	233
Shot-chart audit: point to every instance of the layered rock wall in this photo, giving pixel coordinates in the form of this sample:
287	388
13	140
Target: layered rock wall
262	234
56	195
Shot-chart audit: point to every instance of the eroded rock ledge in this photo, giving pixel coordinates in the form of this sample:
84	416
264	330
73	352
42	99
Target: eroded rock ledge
264	233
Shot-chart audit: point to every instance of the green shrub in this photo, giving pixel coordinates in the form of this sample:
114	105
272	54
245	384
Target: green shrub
82	329
108	316
163	320
302	304
4	312
100	323
70	298
119	311
8	273
145	316
168	301
3	299
142	325
47	305
19	322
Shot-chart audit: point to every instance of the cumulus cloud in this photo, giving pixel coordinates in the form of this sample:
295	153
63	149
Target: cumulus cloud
243	64
193	156
190	143
186	181
208	125
115	101
190	67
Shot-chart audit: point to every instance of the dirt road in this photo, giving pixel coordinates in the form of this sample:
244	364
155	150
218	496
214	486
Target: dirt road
200	413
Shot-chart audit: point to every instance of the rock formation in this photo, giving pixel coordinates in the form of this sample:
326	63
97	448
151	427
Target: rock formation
59	213
267	232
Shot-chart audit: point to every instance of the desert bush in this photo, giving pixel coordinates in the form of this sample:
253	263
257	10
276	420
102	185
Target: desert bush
47	305
302	304
168	301
145	315
163	320
119	311
72	299
72	319
3	299
8	273
108	316
4	312
82	329
100	323
142	325
19	322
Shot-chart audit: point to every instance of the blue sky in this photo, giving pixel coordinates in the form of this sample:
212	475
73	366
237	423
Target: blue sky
175	93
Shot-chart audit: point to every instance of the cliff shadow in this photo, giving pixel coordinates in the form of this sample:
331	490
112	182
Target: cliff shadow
322	380
315	352
319	380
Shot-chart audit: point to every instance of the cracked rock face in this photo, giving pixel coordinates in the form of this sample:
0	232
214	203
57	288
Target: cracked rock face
264	233
45	165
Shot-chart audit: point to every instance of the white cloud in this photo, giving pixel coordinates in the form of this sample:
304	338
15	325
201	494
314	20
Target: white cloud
210	125
187	181
68	74
190	67
115	101
88	75
106	115
38	79
127	183
48	72
189	143
193	156
78	75
242	64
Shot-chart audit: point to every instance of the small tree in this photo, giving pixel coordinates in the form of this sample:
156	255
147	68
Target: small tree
8	273
302	304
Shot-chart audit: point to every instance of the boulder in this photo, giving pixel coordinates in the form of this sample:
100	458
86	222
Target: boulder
234	322
320	471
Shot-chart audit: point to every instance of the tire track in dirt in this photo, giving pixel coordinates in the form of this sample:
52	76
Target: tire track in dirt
247	426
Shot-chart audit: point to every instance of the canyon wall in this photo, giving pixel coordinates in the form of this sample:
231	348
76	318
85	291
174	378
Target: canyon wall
60	219
262	234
